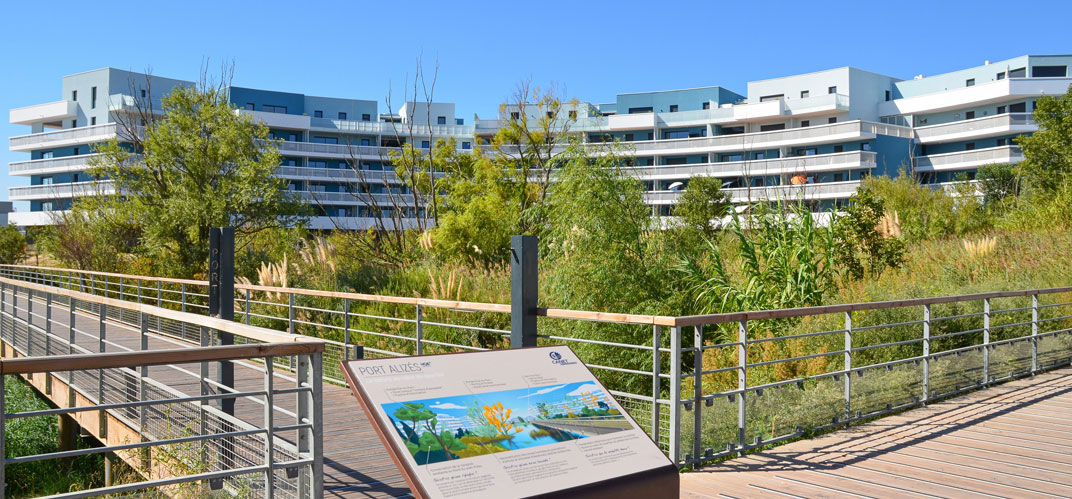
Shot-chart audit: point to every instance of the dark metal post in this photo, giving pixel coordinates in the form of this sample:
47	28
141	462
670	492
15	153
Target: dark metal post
524	260
221	297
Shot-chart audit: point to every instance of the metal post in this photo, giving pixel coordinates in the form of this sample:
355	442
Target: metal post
269	424
221	299
310	411
290	323
742	384
159	293
986	341
420	331
346	325
848	365
101	335
524	290
926	353
248	292
1034	333
697	393
656	382
3	421
317	398
202	412
675	394
122	291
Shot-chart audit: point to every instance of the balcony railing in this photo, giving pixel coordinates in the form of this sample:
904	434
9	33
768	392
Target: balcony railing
382	127
357	198
51	165
80	135
969	159
793	164
826	190
852	130
61	191
978	127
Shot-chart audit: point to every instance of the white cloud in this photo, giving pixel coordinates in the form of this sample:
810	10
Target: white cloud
583	389
448	405
541	391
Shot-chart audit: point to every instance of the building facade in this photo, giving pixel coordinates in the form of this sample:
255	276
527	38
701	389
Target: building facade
812	136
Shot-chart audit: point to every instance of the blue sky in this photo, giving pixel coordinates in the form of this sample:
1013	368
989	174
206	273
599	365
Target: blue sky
591	49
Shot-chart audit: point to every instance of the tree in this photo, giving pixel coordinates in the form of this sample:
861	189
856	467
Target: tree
90	241
1048	152
998	183
199	165
703	205
12	245
859	247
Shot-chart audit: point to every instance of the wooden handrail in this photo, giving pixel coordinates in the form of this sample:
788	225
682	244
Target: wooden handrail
247	331
79	362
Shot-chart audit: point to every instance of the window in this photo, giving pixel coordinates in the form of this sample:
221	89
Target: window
292	137
1019	107
732	157
678	134
628	137
760	155
832	119
651	135
673	108
442	120
46	180
74	178
811	151
74	95
250	106
970	146
804	123
318	114
839	148
572	115
143	93
550	115
676	161
92	120
365	142
93	98
831	90
366	117
46	206
1003	142
515	115
766	98
707	105
274	109
970	82
637	110
467	145
1000	76
838	177
326	140
342	115
47	155
317	164
424	144
969	115
768	128
1001	109
1018	73
1048	71
866	146
887	95
804	94
460	121
76	151
74	123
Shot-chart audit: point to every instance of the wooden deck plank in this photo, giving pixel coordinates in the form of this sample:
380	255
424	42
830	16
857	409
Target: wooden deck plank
1010	440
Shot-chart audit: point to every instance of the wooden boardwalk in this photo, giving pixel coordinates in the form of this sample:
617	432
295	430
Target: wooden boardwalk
1011	440
356	464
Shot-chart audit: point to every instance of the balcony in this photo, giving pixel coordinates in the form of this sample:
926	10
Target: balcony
827	190
791	137
356	198
775	166
961	160
341	151
984	93
359	223
383	127
51	112
820	104
638	121
51	165
67	137
60	191
978	128
277	120
32	218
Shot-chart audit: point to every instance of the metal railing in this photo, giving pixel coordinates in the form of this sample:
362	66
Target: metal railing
738	382
64	190
52	165
771	166
95	133
119	369
965	128
824	190
968	159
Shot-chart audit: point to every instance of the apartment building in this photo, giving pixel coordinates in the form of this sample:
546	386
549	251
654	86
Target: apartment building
812	136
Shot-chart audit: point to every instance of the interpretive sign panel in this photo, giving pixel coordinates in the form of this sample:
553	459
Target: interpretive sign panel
509	423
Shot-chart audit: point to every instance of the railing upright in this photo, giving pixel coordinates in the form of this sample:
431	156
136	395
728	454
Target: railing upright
269	423
101	335
986	341
926	353
1034	333
697	394
848	365
675	394
420	330
656	382
742	384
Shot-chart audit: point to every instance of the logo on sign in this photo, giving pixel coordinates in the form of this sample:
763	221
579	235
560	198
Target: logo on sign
556	358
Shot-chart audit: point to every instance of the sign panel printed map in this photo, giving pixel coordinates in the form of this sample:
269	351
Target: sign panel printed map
512	423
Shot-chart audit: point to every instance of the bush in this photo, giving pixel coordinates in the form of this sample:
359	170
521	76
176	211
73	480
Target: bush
12	245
